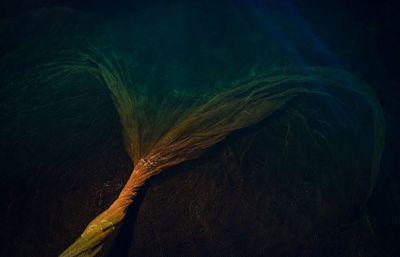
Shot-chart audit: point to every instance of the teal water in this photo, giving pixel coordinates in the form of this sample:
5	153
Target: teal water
192	50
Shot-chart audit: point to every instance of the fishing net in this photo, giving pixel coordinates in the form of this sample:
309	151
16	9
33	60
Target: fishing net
182	129
166	124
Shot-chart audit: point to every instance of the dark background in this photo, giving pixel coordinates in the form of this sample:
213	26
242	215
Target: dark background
375	56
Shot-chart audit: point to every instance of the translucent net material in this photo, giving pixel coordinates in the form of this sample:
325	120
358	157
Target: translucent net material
165	125
183	127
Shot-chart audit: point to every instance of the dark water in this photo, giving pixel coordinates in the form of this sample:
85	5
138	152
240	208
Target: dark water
268	190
